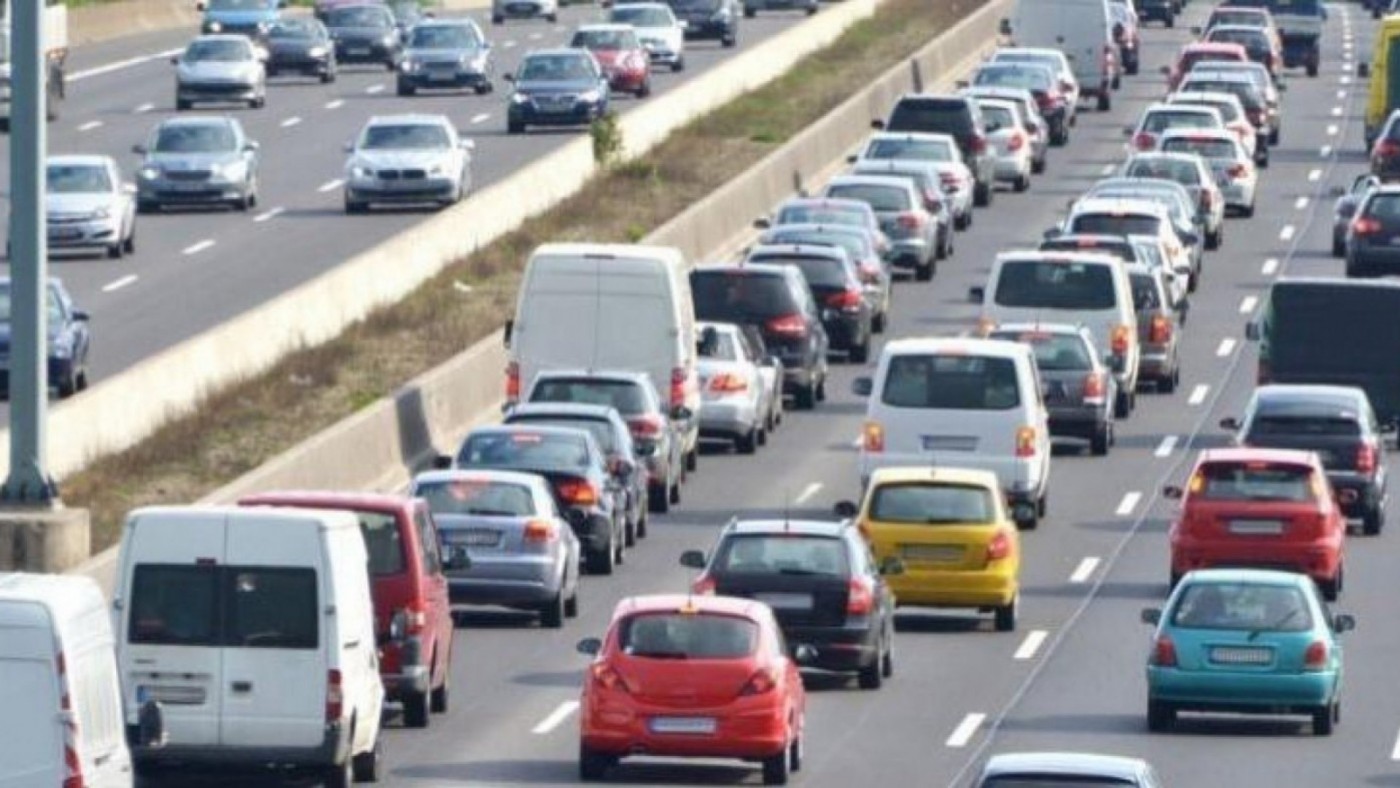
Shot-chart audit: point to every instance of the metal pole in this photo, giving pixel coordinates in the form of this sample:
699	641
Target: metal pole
28	481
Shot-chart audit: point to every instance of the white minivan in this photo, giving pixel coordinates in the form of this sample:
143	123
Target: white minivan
1082	29
960	403
609	306
61	717
1090	289
254	629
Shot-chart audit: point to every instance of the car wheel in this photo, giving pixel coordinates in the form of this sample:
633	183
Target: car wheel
644	89
748	442
115	251
340	775
485	87
1022	183
1004	617
327	77
1037	166
144	206
1160	715
692	459
1274	135
354	207
776	769
1214	239
415	709
795	753
571	604
1339	248
553	19
887	661
593	766
602	562
982	195
1264	160
674	494
515	127
258	103
1332	588
1322	720
1173	580
497	19
1122	405
806	397
1168	384
870	676
678	66
404	89
1099	443
629	533
83	380
762	435
1105	102
441	695
1248	211
182	104
1373	520
129	245
552	614
68	386
729	41
1312	69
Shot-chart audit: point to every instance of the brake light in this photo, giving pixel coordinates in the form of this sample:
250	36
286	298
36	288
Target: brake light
860	597
335	696
1018	141
874	437
1161	331
1094	388
1316	657
1365	225
577	492
704	585
870	273
1366	458
607	677
678	379
1000	546
979	143
849	300
513	382
728	383
762	682
1164	652
1025	441
910	221
1122	340
1144	141
1387	148
540	532
788	326
646	426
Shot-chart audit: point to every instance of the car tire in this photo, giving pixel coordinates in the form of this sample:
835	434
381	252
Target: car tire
870	676
1247	211
129	245
678	66
887	661
729	42
1004	616
860	354
1274	135
415	709
629	533
497	19
1312	69
368	767
806	397
68	386
1264	161
1101	440
674	493
181	105
750	13
1038	166
602	562
404	90
440	700
877	323
763	435
644	89
552	613
1214	239
356	207
1161	716
1123	405
553	19
1323	720
982	195
571	604
1168	384
748	442
144	206
924	273
1339	248
962	222
1331	589
1171	20
1105	102
1022	183
1173	580
592	766
1373	521
258	103
327	77
515	127
796	753
115	251
340	775
776	769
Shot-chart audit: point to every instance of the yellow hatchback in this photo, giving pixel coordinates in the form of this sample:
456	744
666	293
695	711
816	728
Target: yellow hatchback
949	528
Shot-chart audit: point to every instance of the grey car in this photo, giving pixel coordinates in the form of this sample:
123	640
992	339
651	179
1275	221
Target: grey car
1066	769
928	181
407	159
523	553
1344	210
446	54
861	245
220	68
913	230
197	161
1159	327
1079	391
88	206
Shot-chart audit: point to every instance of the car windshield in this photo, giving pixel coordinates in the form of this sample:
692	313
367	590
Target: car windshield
912	149
952	382
1245	91
556	68
359	16
1013	77
218	50
783	553
605	39
1252	40
481	497
526	450
1114	224
733	296
1253	481
240	5
946	116
78	179
1053	352
627	397
1164	199
687	635
1161	120
444	37
405	136
822	272
1298	424
880	198
195	138
1172	169
828	214
1255	607
601	431
1204	147
641	17
932	504
55	309
1055	284
295	29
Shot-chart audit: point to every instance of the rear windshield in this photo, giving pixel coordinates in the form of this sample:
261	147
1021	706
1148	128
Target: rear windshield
951	382
1012	77
225	606
383	542
923	115
781	554
687	636
998	116
721	348
1192	58
1297	424
627	397
918	150
524	450
1165	119
1229	111
735	297
822	214
879	198
1168	169
1053	352
1145	295
1251	606
1207	148
480	497
820	271
1121	250
1114	224
1252	40
932	504
1252	481
1053	781
601	431
1056	285
1383	205
1246	92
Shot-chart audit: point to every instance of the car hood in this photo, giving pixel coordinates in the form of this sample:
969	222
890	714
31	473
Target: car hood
190	161
669	34
572	86
76	204
402	159
206	69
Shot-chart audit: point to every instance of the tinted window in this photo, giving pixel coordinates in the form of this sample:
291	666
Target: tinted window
175	605
1012	77
524	450
383	542
272	608
195	138
605	39
825	214
641	17
77	178
998	116
1245	91
601	431
819	271
687	636
781	553
1206	148
1192	58
443	37
230	606
918	150
1242	606
1292	424
1383	206
1114	224
857	246
929	504
1055	285
1252	481
1163	119
628	398
922	115
556	68
1053	352
733	297
359	17
879	198
405	136
219	50
477	496
1165	168
723	348
951	382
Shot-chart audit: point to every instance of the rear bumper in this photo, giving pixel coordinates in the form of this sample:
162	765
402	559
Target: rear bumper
1357	494
1077	421
429	81
519	581
745	729
404	669
991	587
1320	560
1242	691
720	419
1018	477
1373	256
333	749
843	649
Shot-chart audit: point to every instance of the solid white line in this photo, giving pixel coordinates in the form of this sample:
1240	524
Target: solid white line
1300	203
330	186
270	214
1248	304
1227	346
112	287
1314	175
1031	644
808	492
1128	504
555	717
336	104
1286	234
199	247
1198	394
121	65
482	118
144	108
1166	447
1395	751
1270	267
290	122
965	730
1084	570
90	125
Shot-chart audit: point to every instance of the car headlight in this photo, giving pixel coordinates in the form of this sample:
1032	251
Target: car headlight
390	38
317	52
214	27
101	213
149	173
408	66
590	96
233	171
361	171
519	98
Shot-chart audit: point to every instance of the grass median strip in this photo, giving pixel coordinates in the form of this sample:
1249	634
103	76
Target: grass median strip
244	425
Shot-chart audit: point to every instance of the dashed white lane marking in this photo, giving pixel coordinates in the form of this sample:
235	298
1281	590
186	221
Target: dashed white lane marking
965	730
196	248
1341	94
374	89
1332	130
1336	112
807	493
1247	305
1166	447
1198	394
336	104
1085	570
482	118
121	65
90	125
555	717
1345	80
508	45
112	287
859	441
536	36
269	214
1031	644
1227	346
144	108
1128	504
330	186
1314	175
290	122
1286	234
1395	751
1300	203
1270	267
1325	151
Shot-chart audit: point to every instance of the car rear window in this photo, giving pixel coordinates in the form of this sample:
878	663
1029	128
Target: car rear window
1304	424
1012	77
879	198
601	431
1229	111
1168	169
524	450
1206	148
1249	606
782	553
225	606
1253	481
857	247
1055	285
1383	206
271	607
1192	58
951	117
1114	224
1252	40
954	382
918	150
1001	117
721	348
383	542
481	497
932	504
1166	119
813	214
687	636
1053	781
1244	90
1053	352
819	271
737	297
627	397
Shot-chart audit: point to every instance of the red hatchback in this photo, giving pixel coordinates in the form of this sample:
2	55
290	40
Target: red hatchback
696	677
1268	508
413	619
620	53
1202	52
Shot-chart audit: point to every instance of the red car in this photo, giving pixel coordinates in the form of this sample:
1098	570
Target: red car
696	677
1254	507
1202	52
621	55
413	617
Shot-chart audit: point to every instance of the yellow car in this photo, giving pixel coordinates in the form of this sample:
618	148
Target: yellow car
949	528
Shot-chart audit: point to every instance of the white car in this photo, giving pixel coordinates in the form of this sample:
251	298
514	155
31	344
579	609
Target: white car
661	33
1128	217
223	69
1193	174
407	159
940	150
1036	126
1232	114
736	400
1158	118
1011	143
1233	167
89	207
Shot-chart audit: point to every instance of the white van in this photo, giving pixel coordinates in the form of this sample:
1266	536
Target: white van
1078	288
254	628
1082	29
609	306
60	699
961	403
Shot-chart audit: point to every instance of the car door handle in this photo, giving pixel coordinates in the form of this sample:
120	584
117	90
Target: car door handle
102	759
242	686
353	644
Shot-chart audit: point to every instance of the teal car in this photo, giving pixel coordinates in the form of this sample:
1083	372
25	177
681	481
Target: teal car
1245	641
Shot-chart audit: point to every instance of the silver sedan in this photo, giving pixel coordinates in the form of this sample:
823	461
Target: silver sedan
737	400
88	206
220	68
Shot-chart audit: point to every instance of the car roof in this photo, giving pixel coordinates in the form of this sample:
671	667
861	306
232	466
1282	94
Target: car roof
1257	454
826	528
820	228
966	346
502	429
1232	74
1059	256
324	499
1002	91
804	250
1273	577
1040	51
1090	238
618	375
1068	763
748	269
1212	46
1171	106
662	603
229	37
1139	182
1322	396
603	412
895	474
872	180
481	475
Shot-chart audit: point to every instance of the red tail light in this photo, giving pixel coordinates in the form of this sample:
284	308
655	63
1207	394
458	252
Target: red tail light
577	492
979	143
704	585
1365	225
335	696
1144	141
728	383
1161	331
646	426
72	764
1018	141
1164	652
788	326
849	300
1206	200
1366	458
762	682
1094	388
678	380
607	677
874	437
870	273
1236	171
1000	546
513	382
910	221
540	532
1025	442
1121	340
1387	148
860	597
1316	657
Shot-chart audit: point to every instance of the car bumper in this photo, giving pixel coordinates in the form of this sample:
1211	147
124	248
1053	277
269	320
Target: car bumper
708	29
579	115
843	649
663	57
294	62
725	419
187	91
431	80
1237	195
745	728
1374	255
908	252
1154	365
422	190
919	587
1011	168
403	668
84	235
522	10
1017	476
1320	560
1077	421
334	748
1357	494
1242	691
626	81
844	330
191	193
509	582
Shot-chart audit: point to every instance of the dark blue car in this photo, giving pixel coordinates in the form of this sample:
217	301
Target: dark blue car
69	338
253	18
557	87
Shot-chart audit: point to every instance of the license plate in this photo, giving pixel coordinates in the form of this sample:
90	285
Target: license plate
357	51
1240	655
187	187
786	601
694	726
476	538
937	553
66	234
1256	527
442	76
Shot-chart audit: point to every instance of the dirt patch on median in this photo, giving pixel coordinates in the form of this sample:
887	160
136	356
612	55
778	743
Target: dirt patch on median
246	424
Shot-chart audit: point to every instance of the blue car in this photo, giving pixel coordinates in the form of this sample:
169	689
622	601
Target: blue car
252	18
1245	641
69	338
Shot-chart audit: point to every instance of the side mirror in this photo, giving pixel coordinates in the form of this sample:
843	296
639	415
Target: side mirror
466	144
1190	238
1165	71
693	559
772	361
199	6
762	223
589	646
175	60
1173	492
457	558
139	149
877	124
251	146
1195	31
442	462
1230	423
1363	70
1252	331
151	732
962	84
1052	232
1127	131
845	509
852	159
398	625
862	386
1343	623
1004	27
1032	128
81	316
1336	191
891	566
1151	615
976	294
349	147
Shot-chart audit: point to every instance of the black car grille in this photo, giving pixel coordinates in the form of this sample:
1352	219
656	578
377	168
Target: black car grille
188	175
219	88
402	175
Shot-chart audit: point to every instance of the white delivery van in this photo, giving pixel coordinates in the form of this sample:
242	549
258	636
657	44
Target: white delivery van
1082	29
253	627
960	403
609	306
1078	288
61	718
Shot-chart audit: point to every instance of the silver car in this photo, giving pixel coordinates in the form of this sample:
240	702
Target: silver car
197	161
736	400
1036	126
524	9
520	551
1067	768
220	68
88	206
446	54
1009	140
407	159
937	150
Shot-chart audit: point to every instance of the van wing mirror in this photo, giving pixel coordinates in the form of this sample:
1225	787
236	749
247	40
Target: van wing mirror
693	559
1230	423
862	386
976	294
151	732
398	625
1151	615
442	462
1172	492
1343	623
507	332
1252	331
1004	27
845	509
877	124
589	646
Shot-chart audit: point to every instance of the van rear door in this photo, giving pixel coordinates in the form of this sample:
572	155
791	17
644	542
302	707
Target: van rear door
638	322
30	726
1059	290
558	312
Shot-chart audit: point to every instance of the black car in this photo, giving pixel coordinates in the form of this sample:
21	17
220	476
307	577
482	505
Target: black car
365	34
1163	11
557	87
958	117
301	46
1345	208
822	583
1373	241
614	438
68	340
1078	389
776	299
1338	423
835	284
586	491
713	20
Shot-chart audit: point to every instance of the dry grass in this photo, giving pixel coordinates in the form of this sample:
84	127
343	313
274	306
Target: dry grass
246	424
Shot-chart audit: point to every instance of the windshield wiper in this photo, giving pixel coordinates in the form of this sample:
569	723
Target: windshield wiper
1274	625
